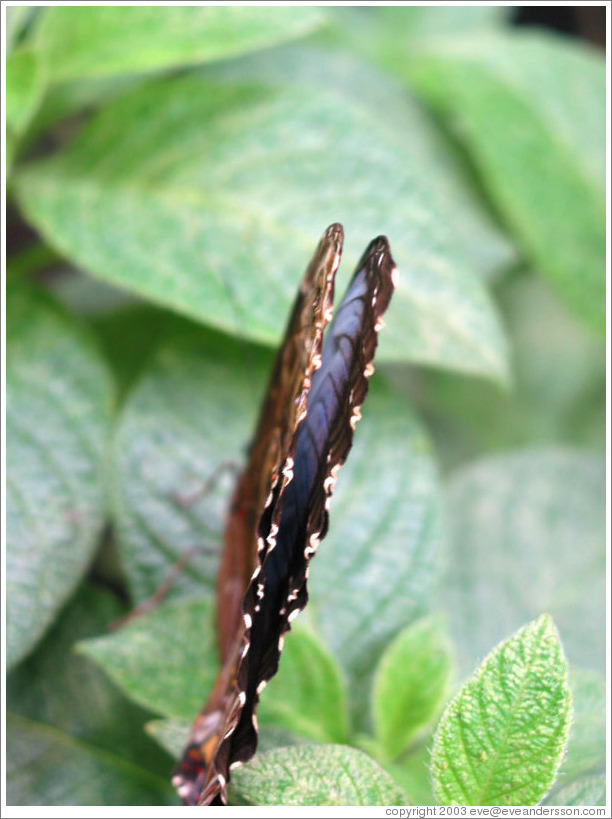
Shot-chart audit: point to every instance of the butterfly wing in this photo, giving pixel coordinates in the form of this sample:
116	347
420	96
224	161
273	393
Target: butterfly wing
245	541
296	518
323	442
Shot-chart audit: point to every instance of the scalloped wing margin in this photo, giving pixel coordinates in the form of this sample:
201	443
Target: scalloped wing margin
295	520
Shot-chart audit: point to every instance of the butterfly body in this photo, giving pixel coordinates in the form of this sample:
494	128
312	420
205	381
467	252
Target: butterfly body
279	511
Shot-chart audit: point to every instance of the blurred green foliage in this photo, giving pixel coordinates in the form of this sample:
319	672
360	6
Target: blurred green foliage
178	165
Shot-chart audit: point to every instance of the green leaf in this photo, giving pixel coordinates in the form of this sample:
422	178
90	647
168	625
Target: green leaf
502	738
58	426
24	88
531	111
533	524
472	232
586	757
212	200
315	775
307	696
410	685
105	40
165	661
71	738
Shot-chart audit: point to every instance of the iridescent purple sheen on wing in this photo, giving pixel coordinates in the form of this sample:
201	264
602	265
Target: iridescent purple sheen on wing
293	519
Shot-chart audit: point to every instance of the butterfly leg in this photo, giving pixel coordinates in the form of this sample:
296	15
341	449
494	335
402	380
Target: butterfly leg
185	501
160	594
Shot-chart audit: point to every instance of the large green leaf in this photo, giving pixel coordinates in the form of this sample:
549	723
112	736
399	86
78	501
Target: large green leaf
71	738
502	738
531	111
527	534
471	229
316	775
103	40
58	430
209	196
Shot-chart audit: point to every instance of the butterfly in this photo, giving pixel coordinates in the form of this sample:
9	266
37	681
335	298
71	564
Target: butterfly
279	509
